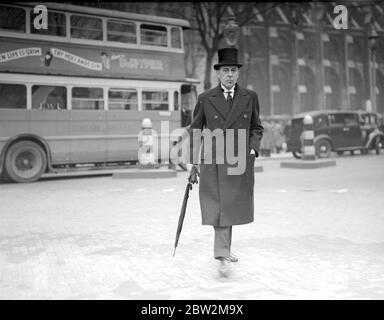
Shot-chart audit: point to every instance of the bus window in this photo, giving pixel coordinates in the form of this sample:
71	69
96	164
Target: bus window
175	38
153	35
121	32
13	96
49	98
155	100
122	99
86	28
176	100
56	24
87	98
12	19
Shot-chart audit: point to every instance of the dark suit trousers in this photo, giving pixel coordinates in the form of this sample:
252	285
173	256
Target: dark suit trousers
222	244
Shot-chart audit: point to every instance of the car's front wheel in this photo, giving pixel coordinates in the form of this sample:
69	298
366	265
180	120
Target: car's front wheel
323	148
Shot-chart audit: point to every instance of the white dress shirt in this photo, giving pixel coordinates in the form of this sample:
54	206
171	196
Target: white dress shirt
225	92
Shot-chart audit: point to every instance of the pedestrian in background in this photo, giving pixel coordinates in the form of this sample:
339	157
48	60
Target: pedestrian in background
226	200
266	145
278	137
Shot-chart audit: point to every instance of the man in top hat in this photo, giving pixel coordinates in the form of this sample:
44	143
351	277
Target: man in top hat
226	198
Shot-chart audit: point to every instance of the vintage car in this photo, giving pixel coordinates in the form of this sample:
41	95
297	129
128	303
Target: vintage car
339	131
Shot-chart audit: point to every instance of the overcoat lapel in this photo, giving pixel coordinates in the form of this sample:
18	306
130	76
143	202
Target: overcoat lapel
219	103
239	104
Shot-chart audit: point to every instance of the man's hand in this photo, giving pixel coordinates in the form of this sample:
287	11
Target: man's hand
193	173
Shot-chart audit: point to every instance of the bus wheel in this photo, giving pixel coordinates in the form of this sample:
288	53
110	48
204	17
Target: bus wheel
25	161
323	148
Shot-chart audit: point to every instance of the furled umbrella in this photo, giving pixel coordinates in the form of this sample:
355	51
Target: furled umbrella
192	179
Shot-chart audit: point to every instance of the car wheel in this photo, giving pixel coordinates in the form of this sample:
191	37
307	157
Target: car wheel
25	161
297	155
323	148
340	153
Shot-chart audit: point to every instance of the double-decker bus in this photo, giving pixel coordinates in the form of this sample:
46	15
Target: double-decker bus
76	93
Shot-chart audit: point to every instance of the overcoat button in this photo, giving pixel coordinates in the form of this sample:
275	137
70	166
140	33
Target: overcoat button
215	117
245	116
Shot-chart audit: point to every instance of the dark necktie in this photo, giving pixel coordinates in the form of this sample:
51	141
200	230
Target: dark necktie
229	99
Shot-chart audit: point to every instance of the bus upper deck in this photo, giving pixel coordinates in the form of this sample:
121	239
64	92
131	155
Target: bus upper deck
79	90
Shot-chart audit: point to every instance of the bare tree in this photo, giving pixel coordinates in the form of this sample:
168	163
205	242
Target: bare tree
209	18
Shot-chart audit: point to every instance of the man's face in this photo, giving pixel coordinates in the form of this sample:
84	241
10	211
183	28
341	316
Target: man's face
228	75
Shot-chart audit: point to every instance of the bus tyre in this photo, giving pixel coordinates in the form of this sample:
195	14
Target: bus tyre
323	148
25	161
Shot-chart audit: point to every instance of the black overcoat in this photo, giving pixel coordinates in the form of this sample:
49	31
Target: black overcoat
226	199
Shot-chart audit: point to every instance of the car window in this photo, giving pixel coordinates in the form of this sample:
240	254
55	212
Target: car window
351	120
374	119
367	119
297	123
320	122
336	119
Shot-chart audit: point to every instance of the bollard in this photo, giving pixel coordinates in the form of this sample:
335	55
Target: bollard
147	157
308	137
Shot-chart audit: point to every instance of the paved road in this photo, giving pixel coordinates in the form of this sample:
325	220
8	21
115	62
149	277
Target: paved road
318	234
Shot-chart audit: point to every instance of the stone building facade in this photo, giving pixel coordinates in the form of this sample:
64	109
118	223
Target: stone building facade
297	61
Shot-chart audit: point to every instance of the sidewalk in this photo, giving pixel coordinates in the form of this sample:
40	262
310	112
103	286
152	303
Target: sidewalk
317	234
278	156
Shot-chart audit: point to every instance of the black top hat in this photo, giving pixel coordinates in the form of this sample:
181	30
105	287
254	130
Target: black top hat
227	57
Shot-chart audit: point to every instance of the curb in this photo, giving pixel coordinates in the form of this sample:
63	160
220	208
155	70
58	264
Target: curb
144	174
308	164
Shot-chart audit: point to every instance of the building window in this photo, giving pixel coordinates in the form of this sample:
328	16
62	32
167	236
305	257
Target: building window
280	46
153	35
155	100
12	19
122	99
86	28
121	32
49	98
332	49
175	38
56	24
87	98
13	96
